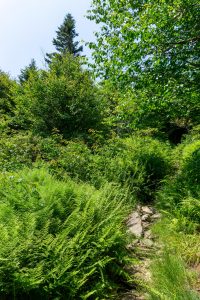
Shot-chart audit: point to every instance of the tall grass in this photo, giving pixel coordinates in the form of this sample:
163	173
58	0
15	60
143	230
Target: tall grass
178	232
171	280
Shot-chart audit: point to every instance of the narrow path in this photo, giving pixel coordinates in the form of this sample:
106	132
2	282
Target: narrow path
144	246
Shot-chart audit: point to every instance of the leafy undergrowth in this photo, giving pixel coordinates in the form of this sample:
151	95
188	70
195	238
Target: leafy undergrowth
173	272
60	239
137	163
62	225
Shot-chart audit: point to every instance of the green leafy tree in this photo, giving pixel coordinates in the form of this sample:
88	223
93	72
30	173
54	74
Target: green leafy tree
151	48
63	98
26	72
139	37
65	39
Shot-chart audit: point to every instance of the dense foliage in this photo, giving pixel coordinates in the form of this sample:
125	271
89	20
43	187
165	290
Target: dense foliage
6	101
77	156
140	39
27	71
59	238
153	50
63	98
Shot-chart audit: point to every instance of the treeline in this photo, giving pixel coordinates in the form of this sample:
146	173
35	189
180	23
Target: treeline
77	155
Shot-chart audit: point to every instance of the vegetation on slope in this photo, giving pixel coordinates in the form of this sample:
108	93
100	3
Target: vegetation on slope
59	238
77	156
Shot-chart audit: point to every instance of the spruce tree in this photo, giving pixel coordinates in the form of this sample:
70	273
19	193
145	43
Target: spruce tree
64	41
25	73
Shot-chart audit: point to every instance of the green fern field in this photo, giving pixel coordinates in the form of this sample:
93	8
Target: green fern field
60	239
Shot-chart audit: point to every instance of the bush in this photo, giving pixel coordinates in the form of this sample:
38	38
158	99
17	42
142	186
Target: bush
140	163
20	149
186	182
16	151
59	239
73	160
191	164
62	98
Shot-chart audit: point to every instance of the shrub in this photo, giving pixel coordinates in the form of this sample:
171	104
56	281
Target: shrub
186	182
73	160
16	151
20	149
59	239
64	97
138	162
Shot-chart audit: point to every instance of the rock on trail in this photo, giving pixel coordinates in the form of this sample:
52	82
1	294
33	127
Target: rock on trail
139	224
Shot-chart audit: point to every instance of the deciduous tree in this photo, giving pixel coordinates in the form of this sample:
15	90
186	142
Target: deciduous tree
62	98
151	48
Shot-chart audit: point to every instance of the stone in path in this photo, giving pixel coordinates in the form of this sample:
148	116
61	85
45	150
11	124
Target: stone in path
147	242
147	210
139	224
135	224
145	217
137	229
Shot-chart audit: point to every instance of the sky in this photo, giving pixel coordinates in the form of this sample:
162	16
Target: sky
27	28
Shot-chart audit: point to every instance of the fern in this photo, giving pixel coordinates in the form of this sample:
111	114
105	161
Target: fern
60	238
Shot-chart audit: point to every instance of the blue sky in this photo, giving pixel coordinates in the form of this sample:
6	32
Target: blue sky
27	28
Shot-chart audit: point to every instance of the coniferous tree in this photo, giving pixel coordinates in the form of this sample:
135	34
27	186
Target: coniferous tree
66	34
64	41
25	73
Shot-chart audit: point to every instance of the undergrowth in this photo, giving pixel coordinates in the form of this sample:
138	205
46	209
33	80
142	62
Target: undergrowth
174	272
62	220
171	280
59	239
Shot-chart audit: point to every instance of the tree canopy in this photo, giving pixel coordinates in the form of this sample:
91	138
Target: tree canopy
6	85
26	72
151	48
63	98
139	38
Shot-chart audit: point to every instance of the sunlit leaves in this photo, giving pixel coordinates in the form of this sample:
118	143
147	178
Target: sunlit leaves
147	37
